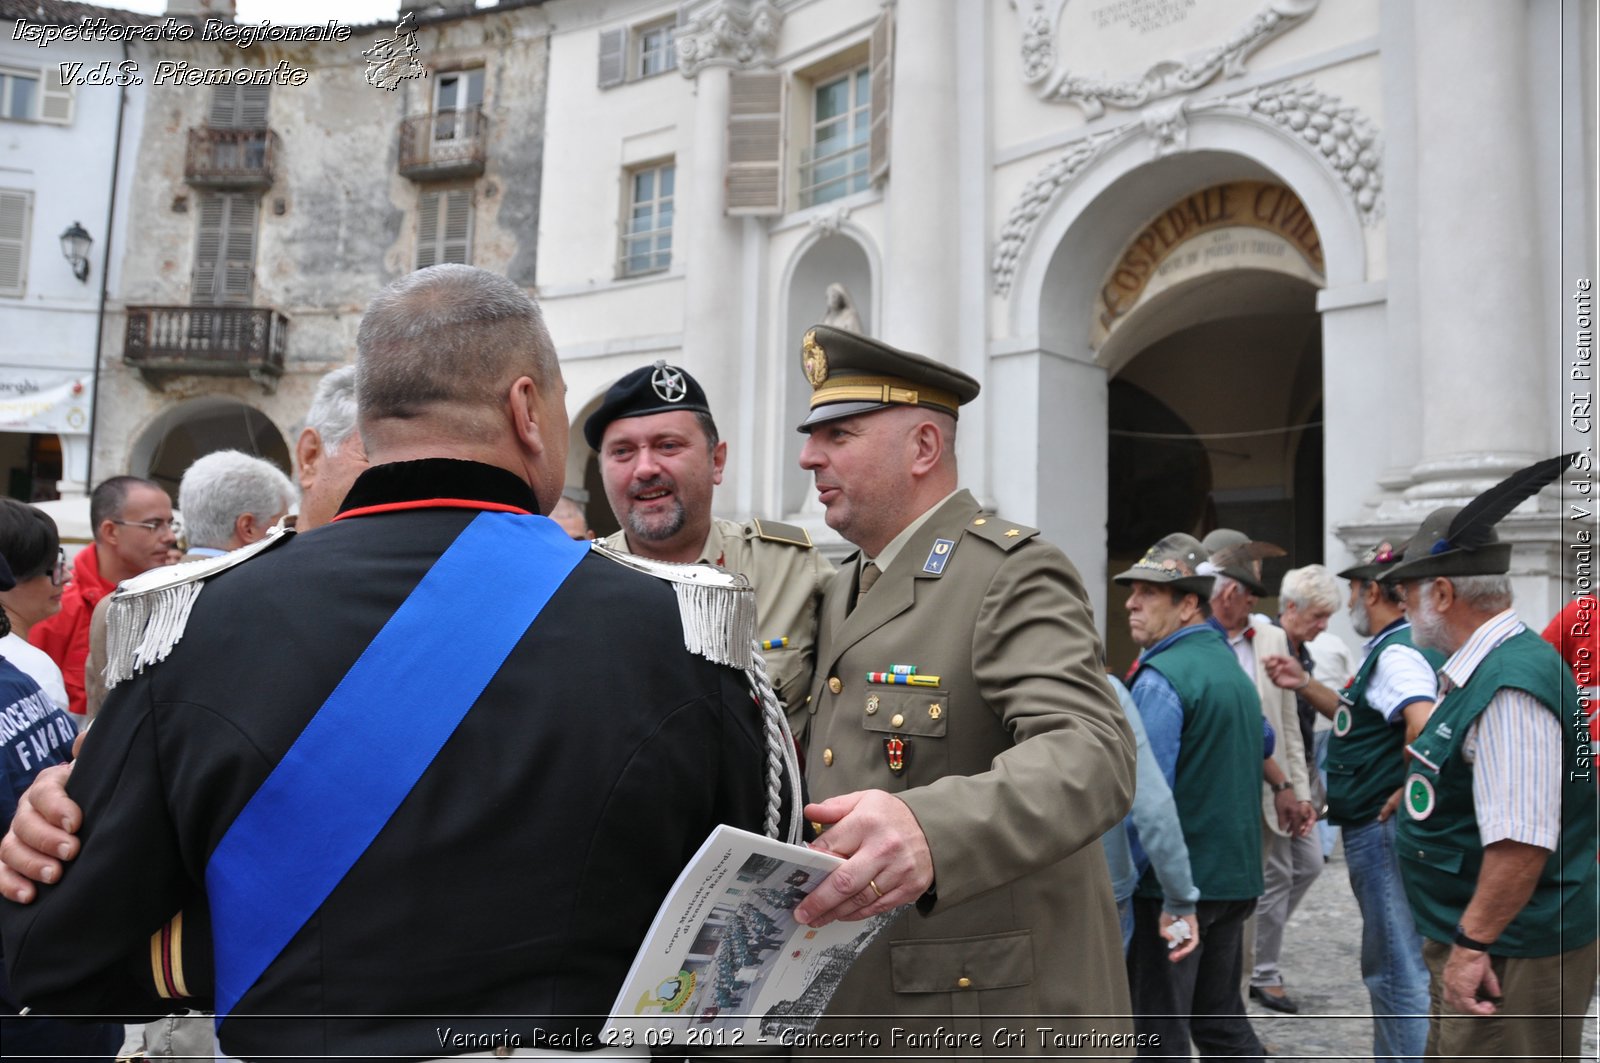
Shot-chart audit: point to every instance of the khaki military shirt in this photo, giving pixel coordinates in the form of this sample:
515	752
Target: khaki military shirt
789	575
1010	749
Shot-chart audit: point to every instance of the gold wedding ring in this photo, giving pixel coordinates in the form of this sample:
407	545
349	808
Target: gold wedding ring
875	888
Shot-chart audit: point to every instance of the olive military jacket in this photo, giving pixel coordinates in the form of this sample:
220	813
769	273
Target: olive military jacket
1014	760
789	576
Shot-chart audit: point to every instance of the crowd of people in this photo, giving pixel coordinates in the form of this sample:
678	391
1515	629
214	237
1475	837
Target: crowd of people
402	760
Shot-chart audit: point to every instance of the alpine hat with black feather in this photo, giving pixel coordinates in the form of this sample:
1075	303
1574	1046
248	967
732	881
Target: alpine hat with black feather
1461	540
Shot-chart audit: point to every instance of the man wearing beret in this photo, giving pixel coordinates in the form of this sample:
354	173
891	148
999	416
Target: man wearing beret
660	458
966	751
1497	838
1203	719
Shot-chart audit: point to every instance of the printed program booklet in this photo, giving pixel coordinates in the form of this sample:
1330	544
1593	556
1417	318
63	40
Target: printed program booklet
725	963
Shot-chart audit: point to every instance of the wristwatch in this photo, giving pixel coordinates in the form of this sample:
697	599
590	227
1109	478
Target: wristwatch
1280	787
1470	943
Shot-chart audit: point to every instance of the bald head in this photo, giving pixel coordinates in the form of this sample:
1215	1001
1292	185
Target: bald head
444	343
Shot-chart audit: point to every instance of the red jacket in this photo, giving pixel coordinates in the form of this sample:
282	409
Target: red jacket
1575	631
65	636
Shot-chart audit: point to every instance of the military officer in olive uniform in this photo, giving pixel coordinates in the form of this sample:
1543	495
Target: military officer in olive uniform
966	751
660	458
1498	828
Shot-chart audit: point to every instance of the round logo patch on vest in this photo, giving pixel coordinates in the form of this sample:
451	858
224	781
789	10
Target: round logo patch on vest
1419	796
1342	721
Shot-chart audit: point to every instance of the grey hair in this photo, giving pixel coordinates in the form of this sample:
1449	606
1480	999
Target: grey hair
1220	583
1311	587
448	336
1488	594
222	486
333	408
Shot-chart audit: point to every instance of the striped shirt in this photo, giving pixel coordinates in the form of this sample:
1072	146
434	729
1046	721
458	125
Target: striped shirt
1514	747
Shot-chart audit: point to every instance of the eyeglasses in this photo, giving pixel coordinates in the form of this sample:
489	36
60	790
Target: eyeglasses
58	575
152	525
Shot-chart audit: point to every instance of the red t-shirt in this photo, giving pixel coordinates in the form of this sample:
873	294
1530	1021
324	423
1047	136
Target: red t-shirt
65	636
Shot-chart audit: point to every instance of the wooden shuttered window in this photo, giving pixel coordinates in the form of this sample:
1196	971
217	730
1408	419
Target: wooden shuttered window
225	252
613	57
238	106
55	97
444	227
881	65
755	142
16	210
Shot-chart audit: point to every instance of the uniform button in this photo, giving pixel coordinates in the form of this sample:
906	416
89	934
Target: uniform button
834	685
897	720
981	521
827	758
963	983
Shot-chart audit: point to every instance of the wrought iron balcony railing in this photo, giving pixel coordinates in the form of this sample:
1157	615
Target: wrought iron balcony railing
212	340
444	144
230	158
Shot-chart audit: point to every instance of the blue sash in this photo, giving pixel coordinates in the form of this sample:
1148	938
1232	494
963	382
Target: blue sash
365	749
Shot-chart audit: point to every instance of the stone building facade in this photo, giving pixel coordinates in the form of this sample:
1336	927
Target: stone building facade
1301	267
266	215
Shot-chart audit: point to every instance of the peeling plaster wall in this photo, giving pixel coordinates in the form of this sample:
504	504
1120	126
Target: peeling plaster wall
339	220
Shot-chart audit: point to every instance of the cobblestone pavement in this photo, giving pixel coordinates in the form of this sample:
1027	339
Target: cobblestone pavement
1321	966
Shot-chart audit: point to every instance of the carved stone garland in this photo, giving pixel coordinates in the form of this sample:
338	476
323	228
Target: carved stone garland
1346	141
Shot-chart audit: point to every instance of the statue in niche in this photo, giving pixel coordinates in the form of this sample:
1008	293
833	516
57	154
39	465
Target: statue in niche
839	310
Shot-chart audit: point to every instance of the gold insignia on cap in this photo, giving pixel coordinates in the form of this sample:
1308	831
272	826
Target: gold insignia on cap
814	359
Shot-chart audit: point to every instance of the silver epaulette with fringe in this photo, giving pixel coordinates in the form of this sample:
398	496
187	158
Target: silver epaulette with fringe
149	612
718	608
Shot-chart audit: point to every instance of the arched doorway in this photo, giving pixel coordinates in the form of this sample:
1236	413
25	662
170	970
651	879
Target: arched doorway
583	482
1209	313
1227	435
190	430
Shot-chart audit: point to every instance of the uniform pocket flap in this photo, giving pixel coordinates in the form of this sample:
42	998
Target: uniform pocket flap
1336	768
954	965
1442	857
906	710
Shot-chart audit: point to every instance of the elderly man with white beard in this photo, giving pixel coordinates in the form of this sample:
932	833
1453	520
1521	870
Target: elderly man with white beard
1498	835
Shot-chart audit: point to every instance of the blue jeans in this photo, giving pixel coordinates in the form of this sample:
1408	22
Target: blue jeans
1391	948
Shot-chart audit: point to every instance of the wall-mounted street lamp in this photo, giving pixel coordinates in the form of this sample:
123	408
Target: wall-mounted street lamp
75	244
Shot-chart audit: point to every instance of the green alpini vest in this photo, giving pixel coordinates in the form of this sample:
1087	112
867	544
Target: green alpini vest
1438	832
1366	761
1217	785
